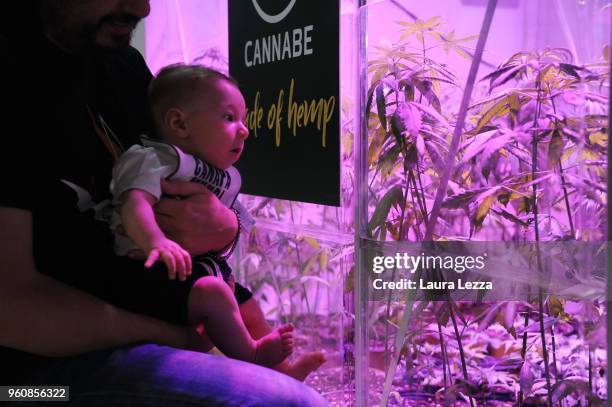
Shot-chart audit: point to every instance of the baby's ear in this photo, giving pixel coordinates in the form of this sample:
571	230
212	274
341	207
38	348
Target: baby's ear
174	120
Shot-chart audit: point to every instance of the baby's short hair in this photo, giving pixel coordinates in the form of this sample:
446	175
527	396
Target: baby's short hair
177	85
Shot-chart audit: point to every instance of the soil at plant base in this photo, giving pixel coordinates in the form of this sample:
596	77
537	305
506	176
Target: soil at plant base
493	362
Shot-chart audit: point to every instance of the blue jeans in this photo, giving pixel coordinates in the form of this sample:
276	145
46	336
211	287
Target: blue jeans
151	375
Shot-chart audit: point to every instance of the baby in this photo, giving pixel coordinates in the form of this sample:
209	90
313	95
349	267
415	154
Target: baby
199	118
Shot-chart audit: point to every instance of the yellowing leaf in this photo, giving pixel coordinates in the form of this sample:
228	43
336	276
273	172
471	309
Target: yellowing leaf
483	210
347	143
323	260
309	263
498	110
432	22
375	146
378	74
514	102
555	148
312	242
589	154
555	306
567	153
436	35
349	284
600	138
466	39
462	53
392	170
504	198
522	207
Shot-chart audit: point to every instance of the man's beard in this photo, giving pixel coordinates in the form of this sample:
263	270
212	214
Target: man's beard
86	41
116	41
84	38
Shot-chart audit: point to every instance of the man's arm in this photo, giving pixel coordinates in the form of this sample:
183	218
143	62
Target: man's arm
199	222
46	317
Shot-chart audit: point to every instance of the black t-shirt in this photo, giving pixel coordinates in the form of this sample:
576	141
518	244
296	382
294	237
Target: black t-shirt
63	118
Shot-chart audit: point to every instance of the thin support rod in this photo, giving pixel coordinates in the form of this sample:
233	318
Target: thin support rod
361	218
465	101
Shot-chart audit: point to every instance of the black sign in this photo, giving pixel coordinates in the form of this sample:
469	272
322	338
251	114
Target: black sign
285	56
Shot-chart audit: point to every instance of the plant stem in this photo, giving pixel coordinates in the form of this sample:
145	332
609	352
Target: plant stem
524	352
566	199
544	349
534	188
424	204
400	237
417	228
419	197
461	353
554	349
423	64
442	350
590	373
404	202
563	184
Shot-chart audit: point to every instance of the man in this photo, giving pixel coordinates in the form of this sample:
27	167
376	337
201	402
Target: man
76	97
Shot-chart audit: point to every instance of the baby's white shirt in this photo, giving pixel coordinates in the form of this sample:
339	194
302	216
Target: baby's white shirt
144	166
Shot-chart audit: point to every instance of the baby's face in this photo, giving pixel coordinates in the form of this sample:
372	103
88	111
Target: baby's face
216	127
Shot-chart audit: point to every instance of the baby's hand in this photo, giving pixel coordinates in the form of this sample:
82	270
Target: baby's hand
176	258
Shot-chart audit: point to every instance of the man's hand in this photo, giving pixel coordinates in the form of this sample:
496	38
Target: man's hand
197	221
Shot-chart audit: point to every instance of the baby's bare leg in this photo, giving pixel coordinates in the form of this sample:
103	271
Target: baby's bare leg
258	327
212	303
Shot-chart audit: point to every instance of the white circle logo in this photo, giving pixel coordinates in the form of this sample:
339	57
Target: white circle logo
276	18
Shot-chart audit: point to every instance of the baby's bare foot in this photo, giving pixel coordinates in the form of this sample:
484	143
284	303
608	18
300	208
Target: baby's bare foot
275	346
304	365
